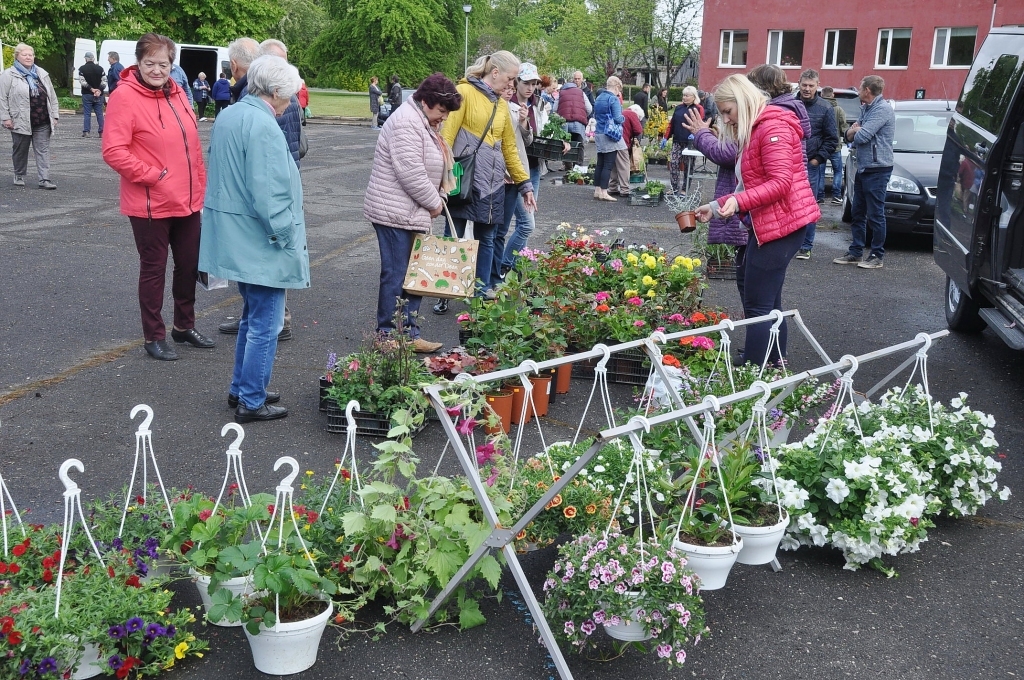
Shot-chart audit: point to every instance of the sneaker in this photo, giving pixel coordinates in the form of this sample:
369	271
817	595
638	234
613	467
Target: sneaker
821	200
873	262
838	200
19	180
441	307
47	184
203	119
421	346
85	134
847	259
803	254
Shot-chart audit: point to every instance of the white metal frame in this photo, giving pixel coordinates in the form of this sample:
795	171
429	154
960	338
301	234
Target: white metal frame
732	44
778	57
888	50
835	50
945	53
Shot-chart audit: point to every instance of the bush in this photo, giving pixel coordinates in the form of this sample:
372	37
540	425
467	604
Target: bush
69	103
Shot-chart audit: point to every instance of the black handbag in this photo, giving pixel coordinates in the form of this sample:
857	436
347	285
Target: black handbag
464	167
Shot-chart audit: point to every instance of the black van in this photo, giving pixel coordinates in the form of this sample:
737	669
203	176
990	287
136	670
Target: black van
979	230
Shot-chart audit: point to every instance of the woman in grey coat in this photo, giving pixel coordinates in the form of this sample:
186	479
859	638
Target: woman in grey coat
375	94
28	108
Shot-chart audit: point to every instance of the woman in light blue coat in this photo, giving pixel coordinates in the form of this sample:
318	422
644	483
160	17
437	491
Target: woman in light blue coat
254	231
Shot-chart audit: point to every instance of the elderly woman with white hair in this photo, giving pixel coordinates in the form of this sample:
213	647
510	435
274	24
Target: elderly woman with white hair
28	108
681	137
254	230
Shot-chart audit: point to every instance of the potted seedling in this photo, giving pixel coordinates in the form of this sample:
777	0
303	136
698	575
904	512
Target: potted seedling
685	206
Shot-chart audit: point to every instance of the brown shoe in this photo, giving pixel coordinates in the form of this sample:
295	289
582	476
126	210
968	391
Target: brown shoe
424	347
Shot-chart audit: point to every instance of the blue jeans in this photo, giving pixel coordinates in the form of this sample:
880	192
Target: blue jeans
511	198
262	319
90	104
484	234
395	246
762	270
837	175
816	176
868	206
524	223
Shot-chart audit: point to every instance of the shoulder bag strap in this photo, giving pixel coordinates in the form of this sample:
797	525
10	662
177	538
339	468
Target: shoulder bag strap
486	129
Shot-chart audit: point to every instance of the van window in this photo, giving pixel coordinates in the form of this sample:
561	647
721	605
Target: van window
990	86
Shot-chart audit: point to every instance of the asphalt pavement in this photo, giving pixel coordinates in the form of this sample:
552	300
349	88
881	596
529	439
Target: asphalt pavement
72	367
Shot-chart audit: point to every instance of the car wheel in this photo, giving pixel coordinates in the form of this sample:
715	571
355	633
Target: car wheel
961	311
847	208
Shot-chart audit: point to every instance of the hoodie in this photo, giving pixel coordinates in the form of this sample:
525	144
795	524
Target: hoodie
152	141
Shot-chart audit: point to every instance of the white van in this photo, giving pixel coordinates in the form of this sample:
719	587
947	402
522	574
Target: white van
193	59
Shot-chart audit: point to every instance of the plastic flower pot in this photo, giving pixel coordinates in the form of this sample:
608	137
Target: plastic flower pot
240	585
518	397
711	563
541	392
627	630
291	647
760	543
501	404
563	378
687	221
89	664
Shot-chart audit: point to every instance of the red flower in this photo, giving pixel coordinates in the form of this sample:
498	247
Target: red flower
47	575
346	475
186	546
3	567
141	500
15	568
311	516
110	571
602	308
19	549
6	625
48	563
270	508
14	638
205	515
133	581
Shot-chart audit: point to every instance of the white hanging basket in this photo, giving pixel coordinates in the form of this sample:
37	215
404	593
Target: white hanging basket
760	543
291	647
711	564
89	663
628	630
239	586
781	435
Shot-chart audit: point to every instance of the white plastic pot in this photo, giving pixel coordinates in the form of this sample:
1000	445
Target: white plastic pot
781	436
711	564
241	585
627	631
89	664
288	648
760	543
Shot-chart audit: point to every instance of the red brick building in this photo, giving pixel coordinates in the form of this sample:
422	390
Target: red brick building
913	44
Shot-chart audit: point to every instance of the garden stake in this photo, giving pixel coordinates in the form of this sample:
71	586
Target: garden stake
144	444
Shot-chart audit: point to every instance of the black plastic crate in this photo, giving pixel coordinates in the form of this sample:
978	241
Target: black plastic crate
641	197
367	423
464	336
551	149
630	367
324	399
725	271
584	368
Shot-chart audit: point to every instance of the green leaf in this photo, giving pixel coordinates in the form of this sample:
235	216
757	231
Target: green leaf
353	522
470	615
386	513
490	570
443	565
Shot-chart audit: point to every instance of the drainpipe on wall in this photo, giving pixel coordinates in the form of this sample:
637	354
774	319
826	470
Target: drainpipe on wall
993	22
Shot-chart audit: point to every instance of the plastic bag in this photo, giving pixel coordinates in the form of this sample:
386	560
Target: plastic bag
209	282
660	394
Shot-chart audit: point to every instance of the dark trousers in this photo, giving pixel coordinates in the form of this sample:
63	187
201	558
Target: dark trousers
202	107
395	246
760	274
220	105
500	233
603	172
869	209
152	239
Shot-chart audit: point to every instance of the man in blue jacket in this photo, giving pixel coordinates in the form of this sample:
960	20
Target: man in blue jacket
872	136
820	145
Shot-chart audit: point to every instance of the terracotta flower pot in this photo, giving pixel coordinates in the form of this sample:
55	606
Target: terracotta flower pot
541	391
563	378
687	221
518	396
501	404
579	181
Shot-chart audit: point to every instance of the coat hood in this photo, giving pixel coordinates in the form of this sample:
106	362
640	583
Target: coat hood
784	113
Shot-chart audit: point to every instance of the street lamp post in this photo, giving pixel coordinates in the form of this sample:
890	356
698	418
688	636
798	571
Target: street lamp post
465	62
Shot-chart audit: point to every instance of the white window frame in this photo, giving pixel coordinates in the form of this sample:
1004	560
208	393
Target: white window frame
888	55
778	62
825	55
732	43
945	56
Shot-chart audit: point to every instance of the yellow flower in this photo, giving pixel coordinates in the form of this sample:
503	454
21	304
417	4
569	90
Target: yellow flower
689	267
191	618
687	262
309	473
649	281
651	263
696	262
661	258
632	259
179	651
199	654
651	293
632	293
303	487
678	259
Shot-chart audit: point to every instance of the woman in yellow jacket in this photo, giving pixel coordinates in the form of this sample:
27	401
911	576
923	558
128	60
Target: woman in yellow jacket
481	96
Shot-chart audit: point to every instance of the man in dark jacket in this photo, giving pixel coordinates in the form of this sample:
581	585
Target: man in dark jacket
94	81
114	72
574	106
821	144
241	53
395	93
643	99
221	94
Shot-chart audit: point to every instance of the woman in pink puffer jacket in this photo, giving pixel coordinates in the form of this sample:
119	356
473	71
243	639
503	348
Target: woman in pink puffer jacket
412	166
774	190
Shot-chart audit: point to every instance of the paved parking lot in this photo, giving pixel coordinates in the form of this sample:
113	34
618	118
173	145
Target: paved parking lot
72	367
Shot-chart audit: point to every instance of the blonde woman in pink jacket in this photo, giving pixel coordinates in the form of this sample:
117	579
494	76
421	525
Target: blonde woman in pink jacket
412	168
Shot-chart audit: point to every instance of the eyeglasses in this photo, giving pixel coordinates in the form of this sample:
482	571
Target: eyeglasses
161	65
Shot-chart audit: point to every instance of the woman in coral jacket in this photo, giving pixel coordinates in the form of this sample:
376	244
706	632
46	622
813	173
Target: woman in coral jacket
774	196
152	141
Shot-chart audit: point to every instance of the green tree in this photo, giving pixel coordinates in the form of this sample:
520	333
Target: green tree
300	24
412	38
607	35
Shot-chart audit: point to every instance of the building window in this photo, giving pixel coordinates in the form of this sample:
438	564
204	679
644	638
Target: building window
954	46
734	48
839	48
786	48
893	48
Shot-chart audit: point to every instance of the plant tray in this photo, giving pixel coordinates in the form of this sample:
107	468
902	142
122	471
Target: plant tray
630	367
640	198
367	423
551	149
325	401
722	271
464	336
637	177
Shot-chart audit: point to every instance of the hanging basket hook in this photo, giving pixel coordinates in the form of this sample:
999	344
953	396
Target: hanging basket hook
144	425
236	445
286	483
69	484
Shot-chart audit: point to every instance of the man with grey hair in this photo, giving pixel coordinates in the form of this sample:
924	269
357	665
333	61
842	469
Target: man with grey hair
290	123
94	81
114	72
241	54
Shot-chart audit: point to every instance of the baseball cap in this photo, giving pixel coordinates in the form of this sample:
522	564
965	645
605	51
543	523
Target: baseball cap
528	72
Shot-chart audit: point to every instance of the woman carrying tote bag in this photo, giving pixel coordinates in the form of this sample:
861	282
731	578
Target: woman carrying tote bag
483	123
